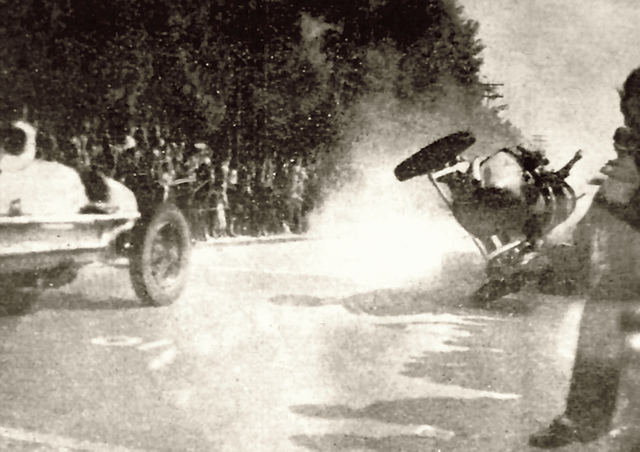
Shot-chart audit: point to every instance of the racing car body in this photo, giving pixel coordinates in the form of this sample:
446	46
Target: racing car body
507	202
54	219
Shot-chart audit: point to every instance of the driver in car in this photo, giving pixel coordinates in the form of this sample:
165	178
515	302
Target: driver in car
30	186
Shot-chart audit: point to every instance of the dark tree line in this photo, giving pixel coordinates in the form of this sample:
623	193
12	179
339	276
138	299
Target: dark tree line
249	77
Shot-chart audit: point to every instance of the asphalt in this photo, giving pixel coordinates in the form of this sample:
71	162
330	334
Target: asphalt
329	346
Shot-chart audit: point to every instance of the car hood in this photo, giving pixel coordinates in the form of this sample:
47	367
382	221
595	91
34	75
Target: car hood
48	188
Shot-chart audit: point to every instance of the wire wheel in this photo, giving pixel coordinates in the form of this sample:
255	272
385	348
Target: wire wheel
161	255
166	256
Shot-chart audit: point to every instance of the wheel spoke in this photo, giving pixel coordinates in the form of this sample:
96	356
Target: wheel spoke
157	257
160	272
173	254
165	256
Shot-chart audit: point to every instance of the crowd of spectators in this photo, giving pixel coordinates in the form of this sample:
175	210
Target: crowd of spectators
221	195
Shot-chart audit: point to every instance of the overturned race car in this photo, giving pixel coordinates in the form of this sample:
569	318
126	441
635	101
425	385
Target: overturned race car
508	202
54	220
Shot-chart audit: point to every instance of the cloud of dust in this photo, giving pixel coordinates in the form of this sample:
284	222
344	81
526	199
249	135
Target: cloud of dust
401	230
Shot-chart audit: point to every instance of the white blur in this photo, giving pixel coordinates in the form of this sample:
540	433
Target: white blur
394	233
560	64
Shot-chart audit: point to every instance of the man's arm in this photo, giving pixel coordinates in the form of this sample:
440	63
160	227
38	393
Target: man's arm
620	192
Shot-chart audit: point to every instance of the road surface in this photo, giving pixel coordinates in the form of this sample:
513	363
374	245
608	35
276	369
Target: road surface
342	344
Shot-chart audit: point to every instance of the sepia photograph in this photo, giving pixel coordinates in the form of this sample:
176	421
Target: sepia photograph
335	226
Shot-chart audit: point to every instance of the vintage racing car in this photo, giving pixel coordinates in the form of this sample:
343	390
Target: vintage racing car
508	202
54	220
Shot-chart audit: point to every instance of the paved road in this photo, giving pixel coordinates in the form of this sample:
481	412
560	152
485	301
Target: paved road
320	345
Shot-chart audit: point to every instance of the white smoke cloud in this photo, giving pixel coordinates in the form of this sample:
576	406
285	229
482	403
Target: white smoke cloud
401	230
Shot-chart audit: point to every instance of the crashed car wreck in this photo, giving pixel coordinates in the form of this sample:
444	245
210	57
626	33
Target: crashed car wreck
507	201
54	220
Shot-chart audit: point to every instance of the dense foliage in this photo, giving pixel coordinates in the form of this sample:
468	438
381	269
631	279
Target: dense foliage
254	77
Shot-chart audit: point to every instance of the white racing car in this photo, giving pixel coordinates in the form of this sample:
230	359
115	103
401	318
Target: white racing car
54	220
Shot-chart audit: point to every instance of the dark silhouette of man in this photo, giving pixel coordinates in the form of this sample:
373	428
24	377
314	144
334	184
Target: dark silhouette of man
608	244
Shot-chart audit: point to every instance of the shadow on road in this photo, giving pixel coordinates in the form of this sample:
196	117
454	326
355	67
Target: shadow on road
396	302
461	416
338	442
385	302
445	412
450	292
448	297
303	301
63	301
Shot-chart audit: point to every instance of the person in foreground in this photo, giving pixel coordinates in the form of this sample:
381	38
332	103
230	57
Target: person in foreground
607	241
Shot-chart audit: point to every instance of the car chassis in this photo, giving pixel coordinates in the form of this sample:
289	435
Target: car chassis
45	251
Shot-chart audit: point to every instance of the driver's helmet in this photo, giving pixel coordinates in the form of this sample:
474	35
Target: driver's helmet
13	139
17	145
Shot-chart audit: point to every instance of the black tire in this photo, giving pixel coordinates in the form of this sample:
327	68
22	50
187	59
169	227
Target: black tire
159	263
435	156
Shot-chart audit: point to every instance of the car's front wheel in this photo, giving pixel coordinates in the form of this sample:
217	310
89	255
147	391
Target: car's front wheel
160	256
